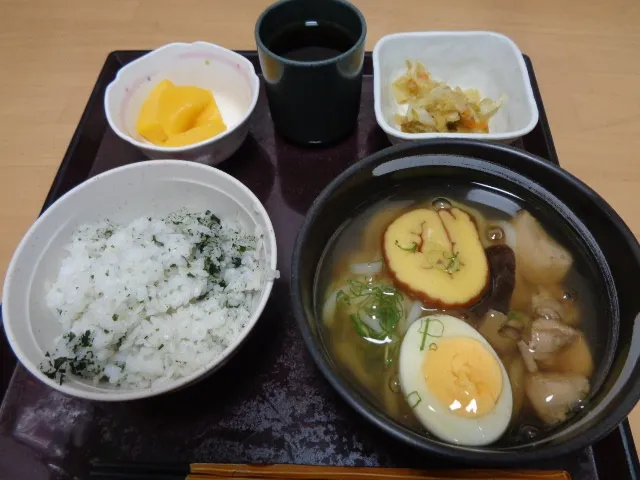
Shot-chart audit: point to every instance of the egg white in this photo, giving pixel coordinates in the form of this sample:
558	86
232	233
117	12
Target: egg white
436	417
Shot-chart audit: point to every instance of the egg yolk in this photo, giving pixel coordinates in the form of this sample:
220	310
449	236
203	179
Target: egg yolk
463	375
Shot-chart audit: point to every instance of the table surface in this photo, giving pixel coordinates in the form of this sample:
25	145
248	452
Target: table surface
585	55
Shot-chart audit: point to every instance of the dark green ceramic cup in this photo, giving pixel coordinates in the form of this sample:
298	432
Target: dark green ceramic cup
311	53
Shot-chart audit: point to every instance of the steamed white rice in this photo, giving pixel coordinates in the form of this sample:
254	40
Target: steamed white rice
153	300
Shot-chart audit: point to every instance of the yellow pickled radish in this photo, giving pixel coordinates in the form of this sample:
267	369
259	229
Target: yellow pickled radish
179	108
175	116
148	124
195	134
211	114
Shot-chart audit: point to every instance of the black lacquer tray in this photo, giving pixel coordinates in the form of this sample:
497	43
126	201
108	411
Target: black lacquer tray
269	404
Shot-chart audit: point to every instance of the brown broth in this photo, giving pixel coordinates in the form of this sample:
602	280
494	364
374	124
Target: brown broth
359	241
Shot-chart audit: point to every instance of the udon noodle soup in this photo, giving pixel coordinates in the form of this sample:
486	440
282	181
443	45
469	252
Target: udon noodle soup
461	315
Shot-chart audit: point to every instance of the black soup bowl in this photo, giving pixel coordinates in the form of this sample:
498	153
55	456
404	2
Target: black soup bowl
593	229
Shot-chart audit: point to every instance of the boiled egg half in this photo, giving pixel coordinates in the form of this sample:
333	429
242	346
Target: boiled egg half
454	381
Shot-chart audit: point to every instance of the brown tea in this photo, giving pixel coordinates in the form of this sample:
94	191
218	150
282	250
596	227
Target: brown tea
311	41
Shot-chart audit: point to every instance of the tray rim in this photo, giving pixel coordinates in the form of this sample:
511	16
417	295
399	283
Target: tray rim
621	436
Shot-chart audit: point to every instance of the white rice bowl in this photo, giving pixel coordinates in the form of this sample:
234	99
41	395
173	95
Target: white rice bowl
139	281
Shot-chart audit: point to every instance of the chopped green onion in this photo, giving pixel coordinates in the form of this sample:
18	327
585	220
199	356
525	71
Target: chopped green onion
437	334
357	287
390	351
454	264
513	315
377	301
426	330
342	297
435	260
412	249
360	327
414	399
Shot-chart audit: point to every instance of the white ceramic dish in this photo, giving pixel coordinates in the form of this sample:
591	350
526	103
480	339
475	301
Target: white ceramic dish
122	194
230	76
487	61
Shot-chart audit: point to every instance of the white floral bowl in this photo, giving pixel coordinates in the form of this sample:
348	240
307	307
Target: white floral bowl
230	76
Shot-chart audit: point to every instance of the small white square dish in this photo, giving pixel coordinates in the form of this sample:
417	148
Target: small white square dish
487	61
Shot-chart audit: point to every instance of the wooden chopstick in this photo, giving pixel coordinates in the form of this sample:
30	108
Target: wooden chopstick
211	471
312	472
